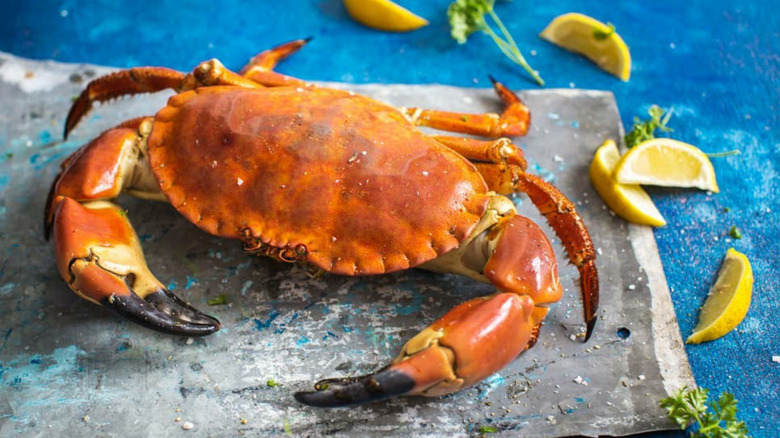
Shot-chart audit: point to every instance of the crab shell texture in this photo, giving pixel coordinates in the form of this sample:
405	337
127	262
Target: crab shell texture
344	181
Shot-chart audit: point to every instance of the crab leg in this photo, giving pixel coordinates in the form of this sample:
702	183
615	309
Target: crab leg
149	80
501	150
97	251
260	68
562	217
476	338
512	122
503	168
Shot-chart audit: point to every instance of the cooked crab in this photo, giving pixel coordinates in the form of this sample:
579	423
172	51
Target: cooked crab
304	173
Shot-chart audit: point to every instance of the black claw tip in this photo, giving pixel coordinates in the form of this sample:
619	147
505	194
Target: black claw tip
307	39
163	311
493	80
591	323
334	393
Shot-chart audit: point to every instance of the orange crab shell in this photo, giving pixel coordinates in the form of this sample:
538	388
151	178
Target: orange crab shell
347	177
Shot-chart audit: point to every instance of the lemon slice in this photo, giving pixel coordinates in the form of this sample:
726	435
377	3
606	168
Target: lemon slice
728	300
628	201
383	15
593	39
666	162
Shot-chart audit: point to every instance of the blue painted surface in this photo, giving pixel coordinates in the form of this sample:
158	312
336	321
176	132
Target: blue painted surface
716	62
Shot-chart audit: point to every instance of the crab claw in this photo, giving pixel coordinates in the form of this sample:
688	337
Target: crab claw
469	343
334	393
163	311
99	256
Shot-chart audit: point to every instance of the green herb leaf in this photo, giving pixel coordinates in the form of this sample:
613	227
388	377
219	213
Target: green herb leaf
286	427
469	16
218	301
735	233
601	35
643	131
271	383
716	419
488	429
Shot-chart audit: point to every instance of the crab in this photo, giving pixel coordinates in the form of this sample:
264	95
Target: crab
333	179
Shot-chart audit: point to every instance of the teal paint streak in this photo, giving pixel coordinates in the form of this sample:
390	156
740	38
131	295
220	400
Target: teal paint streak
489	384
7	288
44	137
191	281
38	372
39	162
264	325
414	307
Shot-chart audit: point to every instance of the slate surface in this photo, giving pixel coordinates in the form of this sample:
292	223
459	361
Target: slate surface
70	366
715	61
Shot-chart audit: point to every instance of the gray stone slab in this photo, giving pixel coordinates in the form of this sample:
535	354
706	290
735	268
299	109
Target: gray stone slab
71	368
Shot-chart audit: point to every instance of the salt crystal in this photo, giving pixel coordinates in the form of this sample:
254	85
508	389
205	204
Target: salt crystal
187	425
239	181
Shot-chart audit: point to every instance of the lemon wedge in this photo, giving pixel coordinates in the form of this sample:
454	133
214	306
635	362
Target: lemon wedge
628	201
728	300
593	39
383	15
666	162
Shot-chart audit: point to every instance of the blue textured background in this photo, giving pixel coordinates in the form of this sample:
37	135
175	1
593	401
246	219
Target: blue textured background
715	61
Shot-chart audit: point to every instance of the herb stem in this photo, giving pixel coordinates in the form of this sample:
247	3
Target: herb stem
518	57
724	154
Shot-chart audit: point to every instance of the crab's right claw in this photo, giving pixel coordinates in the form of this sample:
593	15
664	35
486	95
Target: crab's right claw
334	393
99	256
469	343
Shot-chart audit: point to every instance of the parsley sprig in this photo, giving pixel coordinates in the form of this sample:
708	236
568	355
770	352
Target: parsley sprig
601	35
643	131
718	419
468	16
